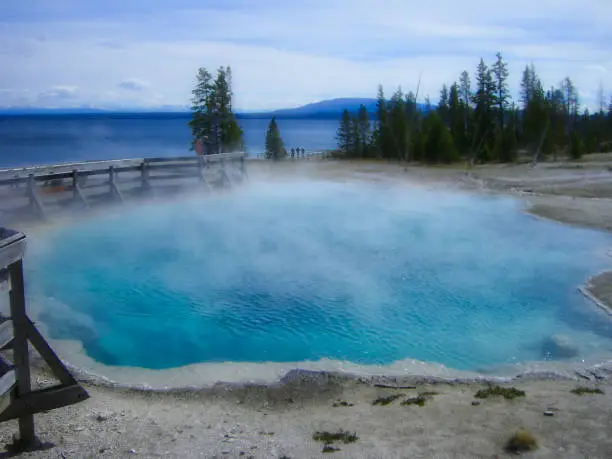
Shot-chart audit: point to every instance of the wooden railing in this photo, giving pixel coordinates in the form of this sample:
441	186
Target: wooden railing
88	183
17	398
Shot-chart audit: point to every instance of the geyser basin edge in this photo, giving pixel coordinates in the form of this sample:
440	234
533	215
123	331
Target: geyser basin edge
352	272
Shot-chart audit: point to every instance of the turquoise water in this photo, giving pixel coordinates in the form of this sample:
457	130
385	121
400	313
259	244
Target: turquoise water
301	271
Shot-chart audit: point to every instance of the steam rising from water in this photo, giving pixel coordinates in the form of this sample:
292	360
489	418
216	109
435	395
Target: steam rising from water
286	272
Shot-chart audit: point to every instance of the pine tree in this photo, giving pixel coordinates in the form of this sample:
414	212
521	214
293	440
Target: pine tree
443	104
500	72
203	107
344	134
365	130
456	122
213	122
465	96
572	104
230	132
576	146
484	99
536	120
383	134
275	149
438	145
398	121
356	141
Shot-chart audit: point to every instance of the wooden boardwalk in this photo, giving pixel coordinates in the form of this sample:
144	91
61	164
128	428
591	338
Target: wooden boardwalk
43	192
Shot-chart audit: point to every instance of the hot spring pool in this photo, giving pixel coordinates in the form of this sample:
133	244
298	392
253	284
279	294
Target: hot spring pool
357	272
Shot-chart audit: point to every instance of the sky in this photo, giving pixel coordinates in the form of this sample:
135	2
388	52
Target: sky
145	53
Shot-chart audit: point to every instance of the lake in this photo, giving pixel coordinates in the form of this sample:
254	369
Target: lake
49	139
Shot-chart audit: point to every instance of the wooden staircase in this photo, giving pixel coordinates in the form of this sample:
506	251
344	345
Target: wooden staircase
17	398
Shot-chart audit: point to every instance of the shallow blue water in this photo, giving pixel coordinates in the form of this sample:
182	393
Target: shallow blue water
31	140
302	271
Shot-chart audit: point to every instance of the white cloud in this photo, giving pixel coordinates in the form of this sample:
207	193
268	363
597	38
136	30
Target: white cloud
134	84
58	95
289	53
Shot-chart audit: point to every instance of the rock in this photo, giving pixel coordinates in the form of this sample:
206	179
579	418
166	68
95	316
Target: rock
559	347
101	418
549	413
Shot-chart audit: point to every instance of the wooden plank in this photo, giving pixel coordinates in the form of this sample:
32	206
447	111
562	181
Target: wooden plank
7	381
7	384
13	181
48	355
6	334
5	365
11	253
170	166
174	176
8	236
52	176
21	355
44	400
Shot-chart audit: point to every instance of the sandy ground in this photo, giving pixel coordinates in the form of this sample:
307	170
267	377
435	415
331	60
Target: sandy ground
279	420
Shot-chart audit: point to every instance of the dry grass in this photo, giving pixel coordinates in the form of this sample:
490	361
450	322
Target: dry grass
509	393
521	442
586	390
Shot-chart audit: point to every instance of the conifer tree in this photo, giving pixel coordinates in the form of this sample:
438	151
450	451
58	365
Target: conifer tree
502	95
275	148
399	125
365	130
443	104
484	99
465	96
344	134
213	121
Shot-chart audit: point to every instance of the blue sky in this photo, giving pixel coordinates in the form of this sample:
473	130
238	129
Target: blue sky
145	53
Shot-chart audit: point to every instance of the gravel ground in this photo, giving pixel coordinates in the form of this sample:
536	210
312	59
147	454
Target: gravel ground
279	420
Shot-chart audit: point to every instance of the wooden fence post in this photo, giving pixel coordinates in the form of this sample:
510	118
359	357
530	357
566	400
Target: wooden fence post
144	175
77	194
243	171
202	165
20	346
114	189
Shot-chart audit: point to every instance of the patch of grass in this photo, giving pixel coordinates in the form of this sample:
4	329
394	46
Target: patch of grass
332	437
419	400
508	393
586	390
386	400
343	403
329	449
521	442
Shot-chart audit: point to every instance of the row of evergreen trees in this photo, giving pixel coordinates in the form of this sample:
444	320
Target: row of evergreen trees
479	123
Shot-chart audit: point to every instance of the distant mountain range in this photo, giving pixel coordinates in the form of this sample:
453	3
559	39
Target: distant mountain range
332	107
325	109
